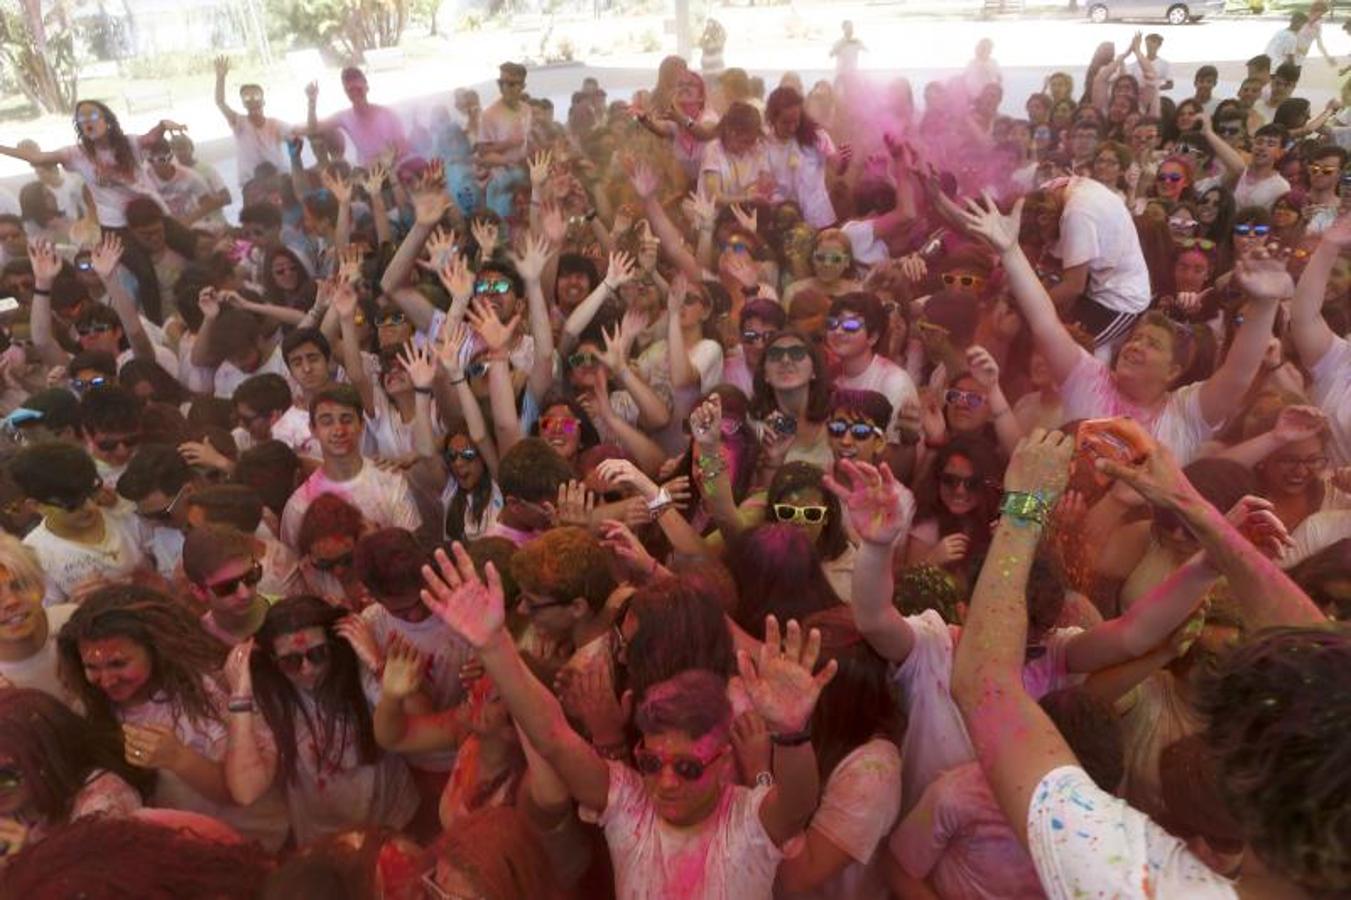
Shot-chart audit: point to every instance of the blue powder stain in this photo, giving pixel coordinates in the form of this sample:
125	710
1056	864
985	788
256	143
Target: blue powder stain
1057	824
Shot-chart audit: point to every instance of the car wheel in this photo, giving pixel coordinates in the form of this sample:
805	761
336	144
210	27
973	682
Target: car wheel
1097	13
1178	15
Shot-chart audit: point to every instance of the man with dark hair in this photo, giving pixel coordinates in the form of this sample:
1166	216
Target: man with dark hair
231	341
383	497
236	505
259	403
159	481
1203	83
110	419
274	471
1163	70
576	279
857	427
78	542
188	196
759	319
530	474
1283	83
13	238
565	581
1325	176
374	129
227	572
504	127
856	325
258	138
1085	135
50	415
1256	182
146	225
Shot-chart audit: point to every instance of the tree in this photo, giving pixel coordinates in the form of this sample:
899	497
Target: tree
344	28
40	52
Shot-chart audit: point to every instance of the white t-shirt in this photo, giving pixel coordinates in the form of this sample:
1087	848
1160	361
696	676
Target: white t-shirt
1264	193
39	670
1284	43
1087	843
1096	228
292	428
111	188
958	840
383	498
892	382
1331	390
182	191
500	124
229	376
1163	70
800	173
864	246
1090	393
729	856
69	565
258	144
859	804
738	174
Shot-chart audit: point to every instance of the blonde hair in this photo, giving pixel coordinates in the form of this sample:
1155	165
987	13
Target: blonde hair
22	564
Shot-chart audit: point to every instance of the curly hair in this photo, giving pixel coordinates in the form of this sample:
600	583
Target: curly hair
1279	725
182	656
565	563
342	715
117	139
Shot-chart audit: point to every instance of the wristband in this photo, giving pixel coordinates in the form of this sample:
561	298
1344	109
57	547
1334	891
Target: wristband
422	390
792	738
764	779
39	292
239	705
1024	506
663	498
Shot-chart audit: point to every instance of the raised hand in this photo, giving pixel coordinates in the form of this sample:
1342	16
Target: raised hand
376	176
349	264
355	631
743	269
449	348
420	365
706	422
312	91
1159	478
405	667
616	353
752	746
983	367
780	682
222	64
208	301
914	268
620	270
429	205
344	299
1299	423
552	223
45	260
474	608
485	235
238	675
749	221
575	504
457	278
495	333
624	544
106	257
336	184
1264	275
644	180
1256	519
540	164
1041	464
675	294
879	507
623	472
534	254
441	244
588	696
986	222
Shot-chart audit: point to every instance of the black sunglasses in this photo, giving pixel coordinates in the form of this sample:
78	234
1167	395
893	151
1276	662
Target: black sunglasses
325	565
687	768
108	445
468	454
230	585
952	482
862	431
11	778
794	352
88	328
292	662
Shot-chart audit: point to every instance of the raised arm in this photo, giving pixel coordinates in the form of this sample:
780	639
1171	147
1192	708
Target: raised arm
617	273
1309	330
985	370
683	373
1266	282
672	244
399	731
1265	595
223	69
475	609
34	157
1231	159
106	259
1293	423
654	413
46	266
530	264
501	393
344	299
881	509
250	764
1000	233
1015	742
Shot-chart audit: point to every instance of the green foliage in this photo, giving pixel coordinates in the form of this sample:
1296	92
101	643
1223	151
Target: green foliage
39	53
344	29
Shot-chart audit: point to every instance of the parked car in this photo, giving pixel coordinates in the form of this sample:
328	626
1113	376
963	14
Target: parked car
1175	12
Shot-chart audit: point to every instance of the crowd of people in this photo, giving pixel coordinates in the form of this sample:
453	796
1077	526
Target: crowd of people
709	494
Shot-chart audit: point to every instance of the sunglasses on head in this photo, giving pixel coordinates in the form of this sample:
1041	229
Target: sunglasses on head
336	562
737	246
847	324
797	515
293	662
751	336
686	766
109	444
830	259
468	454
1174	177
1255	230
84	265
230	585
558	425
161	158
582	359
89	328
496	286
861	431
966	281
384	320
79	385
793	352
952	482
967	399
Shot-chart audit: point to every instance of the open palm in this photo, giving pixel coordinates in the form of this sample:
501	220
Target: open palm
473	608
880	508
780	682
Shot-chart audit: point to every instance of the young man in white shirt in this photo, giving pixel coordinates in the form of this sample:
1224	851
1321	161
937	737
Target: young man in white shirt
1255	183
383	497
679	826
78	543
188	196
505	125
1163	70
854	326
258	139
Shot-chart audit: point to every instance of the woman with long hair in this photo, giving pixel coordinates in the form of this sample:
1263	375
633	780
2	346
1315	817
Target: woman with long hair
735	167
301	720
285	280
956	503
856	732
134	658
800	152
791	403
55	767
